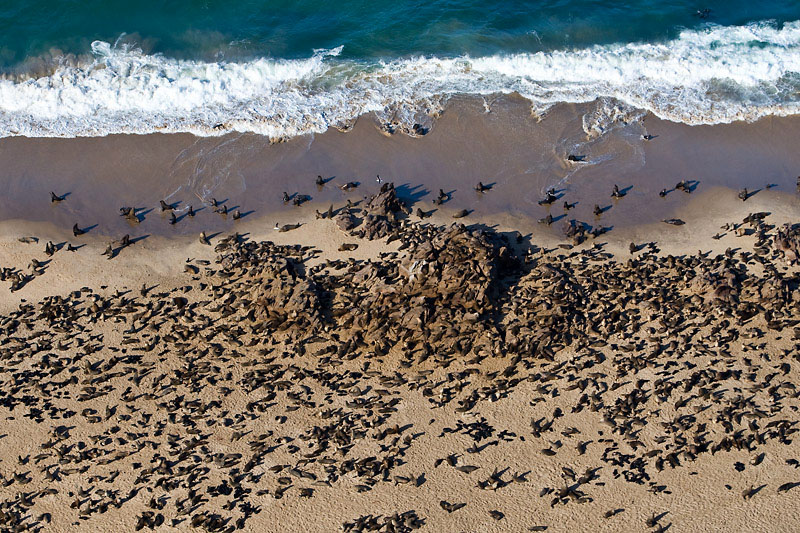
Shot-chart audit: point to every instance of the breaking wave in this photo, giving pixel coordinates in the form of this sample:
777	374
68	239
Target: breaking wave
715	75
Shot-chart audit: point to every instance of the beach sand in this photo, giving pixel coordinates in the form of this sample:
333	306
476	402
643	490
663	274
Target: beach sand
190	414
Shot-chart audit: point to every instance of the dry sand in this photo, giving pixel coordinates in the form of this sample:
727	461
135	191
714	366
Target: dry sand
694	496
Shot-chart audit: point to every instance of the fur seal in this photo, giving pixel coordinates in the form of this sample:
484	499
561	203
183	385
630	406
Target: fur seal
549	197
597	231
286	227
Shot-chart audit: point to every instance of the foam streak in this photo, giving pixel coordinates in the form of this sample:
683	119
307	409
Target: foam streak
720	74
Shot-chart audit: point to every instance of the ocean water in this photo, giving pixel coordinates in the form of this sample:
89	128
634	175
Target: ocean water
91	68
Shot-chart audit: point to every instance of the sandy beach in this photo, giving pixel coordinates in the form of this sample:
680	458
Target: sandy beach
452	267
485	373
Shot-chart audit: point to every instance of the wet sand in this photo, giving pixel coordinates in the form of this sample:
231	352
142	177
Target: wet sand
520	155
654	401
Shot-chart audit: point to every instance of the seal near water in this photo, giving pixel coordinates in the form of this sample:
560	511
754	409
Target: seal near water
549	197
743	195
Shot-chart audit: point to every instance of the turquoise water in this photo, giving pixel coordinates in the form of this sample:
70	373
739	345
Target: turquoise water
212	30
288	68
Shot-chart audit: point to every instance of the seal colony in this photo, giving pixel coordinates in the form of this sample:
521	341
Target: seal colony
463	380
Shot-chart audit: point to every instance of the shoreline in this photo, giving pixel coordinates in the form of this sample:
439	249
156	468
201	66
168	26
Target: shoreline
520	155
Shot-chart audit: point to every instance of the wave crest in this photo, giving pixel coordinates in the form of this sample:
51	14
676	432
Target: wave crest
714	75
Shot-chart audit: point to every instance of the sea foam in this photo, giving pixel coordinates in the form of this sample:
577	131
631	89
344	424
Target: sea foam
714	75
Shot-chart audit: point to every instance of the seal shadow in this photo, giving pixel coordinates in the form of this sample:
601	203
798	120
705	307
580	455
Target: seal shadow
87	229
409	194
